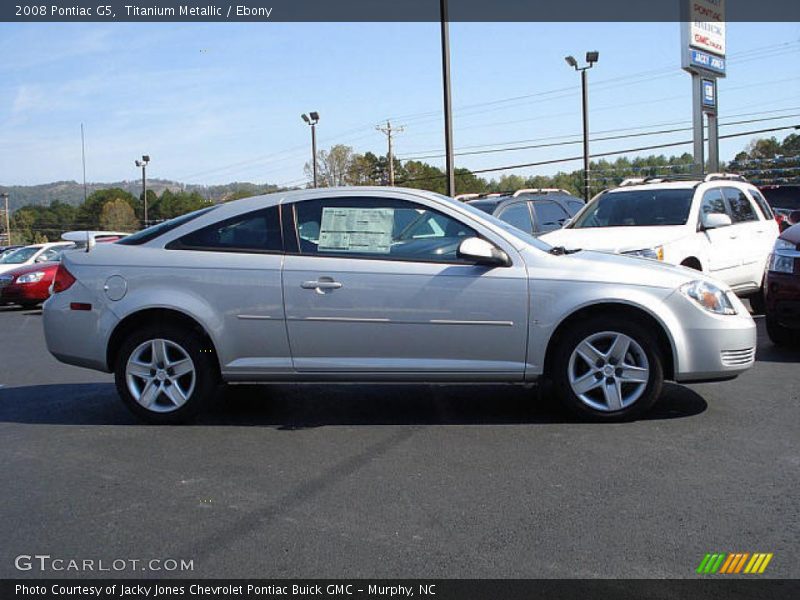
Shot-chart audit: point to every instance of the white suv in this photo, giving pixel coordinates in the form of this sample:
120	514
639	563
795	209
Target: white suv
721	225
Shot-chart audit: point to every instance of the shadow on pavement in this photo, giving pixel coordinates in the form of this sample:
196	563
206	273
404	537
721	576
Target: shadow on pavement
769	352
290	407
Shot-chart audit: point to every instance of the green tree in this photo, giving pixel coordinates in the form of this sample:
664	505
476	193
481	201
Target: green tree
88	216
118	215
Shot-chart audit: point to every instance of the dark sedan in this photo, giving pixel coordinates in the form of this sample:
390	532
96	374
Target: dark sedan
533	211
782	289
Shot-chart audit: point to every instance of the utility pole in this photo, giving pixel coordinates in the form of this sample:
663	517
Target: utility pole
388	131
448	116
4	195
83	160
311	119
591	59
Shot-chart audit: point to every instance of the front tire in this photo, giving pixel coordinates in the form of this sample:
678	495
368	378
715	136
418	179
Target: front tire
608	369
165	375
780	335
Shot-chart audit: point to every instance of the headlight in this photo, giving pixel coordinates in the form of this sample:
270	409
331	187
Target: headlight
708	296
31	277
783	245
656	253
779	263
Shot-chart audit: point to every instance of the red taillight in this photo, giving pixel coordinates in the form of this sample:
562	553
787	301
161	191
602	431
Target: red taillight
63	279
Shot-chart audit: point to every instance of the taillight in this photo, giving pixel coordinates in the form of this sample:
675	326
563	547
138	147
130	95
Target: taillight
63	279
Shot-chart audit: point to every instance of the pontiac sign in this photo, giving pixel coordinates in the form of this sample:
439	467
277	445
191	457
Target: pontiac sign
703	36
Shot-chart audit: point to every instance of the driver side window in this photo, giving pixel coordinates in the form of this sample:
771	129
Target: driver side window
378	228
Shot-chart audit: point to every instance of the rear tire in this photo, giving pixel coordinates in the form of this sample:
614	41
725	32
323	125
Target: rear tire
608	369
166	375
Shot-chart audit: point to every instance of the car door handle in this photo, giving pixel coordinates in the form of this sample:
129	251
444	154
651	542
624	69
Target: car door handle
321	285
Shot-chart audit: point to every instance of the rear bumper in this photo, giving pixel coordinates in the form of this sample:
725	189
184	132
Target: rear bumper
77	337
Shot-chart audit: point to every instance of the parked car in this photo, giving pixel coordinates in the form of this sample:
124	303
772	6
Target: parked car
29	286
383	284
782	290
784	200
6	250
36	253
720	225
534	211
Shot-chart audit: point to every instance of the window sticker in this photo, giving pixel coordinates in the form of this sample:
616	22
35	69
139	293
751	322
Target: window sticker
365	230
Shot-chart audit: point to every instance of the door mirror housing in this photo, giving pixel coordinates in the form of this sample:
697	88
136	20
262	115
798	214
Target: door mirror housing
715	220
483	253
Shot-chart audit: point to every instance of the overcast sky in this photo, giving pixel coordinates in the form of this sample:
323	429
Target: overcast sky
213	103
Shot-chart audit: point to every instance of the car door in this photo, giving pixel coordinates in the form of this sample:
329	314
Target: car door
375	286
722	255
747	231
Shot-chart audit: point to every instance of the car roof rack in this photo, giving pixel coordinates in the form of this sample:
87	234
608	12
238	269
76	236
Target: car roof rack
725	176
539	191
465	197
659	179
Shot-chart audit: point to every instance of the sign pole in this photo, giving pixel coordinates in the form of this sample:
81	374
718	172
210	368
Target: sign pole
697	124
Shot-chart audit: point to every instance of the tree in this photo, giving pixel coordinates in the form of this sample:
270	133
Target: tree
88	216
117	215
332	166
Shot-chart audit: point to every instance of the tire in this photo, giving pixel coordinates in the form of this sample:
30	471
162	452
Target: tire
181	386
778	334
757	303
585	356
29	305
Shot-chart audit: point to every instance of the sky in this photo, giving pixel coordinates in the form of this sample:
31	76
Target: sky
221	102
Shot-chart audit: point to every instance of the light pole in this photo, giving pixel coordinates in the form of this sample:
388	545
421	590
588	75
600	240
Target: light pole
591	58
143	163
448	113
313	123
4	196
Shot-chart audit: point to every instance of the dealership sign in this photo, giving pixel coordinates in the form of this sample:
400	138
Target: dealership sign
703	36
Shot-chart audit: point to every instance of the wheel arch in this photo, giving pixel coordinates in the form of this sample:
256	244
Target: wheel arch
153	316
638	313
693	263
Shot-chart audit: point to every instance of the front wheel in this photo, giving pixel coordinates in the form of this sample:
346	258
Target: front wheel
165	375
778	334
608	369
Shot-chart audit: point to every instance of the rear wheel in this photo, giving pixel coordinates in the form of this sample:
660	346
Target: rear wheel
608	369
165	374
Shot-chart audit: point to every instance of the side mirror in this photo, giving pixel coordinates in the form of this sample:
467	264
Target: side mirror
715	220
483	253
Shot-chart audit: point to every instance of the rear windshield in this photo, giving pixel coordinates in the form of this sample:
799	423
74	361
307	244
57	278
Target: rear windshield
783	197
637	208
152	232
486	206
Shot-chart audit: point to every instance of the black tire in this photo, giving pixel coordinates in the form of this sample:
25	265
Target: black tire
29	305
578	333
757	303
780	335
206	375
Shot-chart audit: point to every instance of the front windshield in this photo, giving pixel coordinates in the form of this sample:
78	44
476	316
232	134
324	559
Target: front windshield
637	208
19	256
510	229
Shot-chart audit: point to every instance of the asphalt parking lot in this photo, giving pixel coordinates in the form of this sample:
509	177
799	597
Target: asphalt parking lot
396	481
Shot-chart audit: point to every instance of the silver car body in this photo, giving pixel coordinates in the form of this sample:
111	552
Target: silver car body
389	320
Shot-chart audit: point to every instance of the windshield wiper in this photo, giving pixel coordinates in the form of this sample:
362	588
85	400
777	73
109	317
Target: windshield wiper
561	250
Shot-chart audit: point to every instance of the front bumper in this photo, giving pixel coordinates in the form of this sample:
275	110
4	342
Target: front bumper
782	296
25	293
711	347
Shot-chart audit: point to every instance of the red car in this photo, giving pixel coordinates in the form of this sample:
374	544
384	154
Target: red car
782	289
29	285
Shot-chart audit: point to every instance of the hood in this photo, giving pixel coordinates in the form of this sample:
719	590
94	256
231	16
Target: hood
792	235
23	269
8	268
615	239
605	267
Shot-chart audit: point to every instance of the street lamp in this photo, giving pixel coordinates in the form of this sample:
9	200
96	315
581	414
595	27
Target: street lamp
143	163
313	123
591	58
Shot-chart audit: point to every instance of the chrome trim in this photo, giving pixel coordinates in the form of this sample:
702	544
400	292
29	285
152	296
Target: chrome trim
254	317
391	322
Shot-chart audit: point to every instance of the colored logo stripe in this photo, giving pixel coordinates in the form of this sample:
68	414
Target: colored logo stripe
733	562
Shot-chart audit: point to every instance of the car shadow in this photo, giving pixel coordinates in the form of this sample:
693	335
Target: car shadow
294	407
19	309
766	351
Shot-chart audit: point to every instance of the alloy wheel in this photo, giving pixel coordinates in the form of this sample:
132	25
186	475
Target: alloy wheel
160	375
